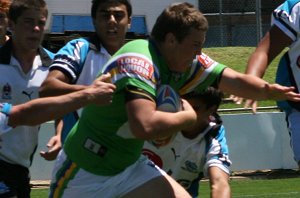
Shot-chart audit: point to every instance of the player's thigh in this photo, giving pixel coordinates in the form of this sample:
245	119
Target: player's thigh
159	187
218	175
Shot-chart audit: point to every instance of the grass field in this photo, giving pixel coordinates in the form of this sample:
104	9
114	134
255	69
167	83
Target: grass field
260	188
245	188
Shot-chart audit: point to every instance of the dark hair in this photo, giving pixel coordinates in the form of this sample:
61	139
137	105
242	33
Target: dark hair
19	6
210	96
96	3
178	19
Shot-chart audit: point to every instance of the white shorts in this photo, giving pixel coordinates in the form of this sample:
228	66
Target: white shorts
71	181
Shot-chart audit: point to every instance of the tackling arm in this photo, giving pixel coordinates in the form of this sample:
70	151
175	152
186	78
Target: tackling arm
43	109
57	83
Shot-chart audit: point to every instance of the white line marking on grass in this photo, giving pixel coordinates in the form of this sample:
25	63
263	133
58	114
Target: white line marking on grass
269	194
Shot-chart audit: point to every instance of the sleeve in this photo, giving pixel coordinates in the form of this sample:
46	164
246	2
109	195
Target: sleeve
70	59
204	72
217	151
287	18
134	70
132	92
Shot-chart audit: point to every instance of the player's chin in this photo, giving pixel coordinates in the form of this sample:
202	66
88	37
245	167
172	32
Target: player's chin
34	44
112	35
183	68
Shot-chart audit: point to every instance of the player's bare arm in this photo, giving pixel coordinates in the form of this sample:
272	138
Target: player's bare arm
43	109
148	123
57	83
272	44
252	87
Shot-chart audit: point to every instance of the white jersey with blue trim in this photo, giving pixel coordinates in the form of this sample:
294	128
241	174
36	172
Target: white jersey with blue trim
287	18
16	87
185	159
81	60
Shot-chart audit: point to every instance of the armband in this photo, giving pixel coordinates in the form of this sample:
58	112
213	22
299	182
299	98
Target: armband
5	108
4	116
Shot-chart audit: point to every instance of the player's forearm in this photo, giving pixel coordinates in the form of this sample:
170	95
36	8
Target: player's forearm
44	109
242	85
257	64
55	87
161	124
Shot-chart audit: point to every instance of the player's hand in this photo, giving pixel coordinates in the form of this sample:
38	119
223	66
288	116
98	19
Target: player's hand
188	108
54	146
248	103
102	90
278	92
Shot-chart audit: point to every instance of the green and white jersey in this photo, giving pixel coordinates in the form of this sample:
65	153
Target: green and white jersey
101	142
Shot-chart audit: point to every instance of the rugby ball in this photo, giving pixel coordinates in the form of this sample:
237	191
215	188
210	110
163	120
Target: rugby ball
167	99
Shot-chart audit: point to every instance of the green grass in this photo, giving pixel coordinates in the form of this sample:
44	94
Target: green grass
39	193
236	58
259	188
262	188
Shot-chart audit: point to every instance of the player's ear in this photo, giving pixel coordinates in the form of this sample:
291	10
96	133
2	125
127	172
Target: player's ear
129	23
213	109
170	39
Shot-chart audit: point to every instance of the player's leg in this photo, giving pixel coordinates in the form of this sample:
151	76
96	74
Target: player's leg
146	179
217	164
141	179
219	183
159	187
14	181
293	120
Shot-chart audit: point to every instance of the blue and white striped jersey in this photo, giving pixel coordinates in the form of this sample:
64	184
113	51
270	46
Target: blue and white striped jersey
287	18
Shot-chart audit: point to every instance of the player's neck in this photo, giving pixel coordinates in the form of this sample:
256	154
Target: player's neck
194	131
25	58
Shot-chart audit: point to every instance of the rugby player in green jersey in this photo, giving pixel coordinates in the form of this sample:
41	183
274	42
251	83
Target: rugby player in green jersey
101	156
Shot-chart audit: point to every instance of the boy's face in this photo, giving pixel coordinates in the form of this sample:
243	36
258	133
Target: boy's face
111	24
28	30
183	53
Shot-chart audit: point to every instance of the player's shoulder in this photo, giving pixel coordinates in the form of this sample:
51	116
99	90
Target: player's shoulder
205	63
75	47
78	43
49	53
205	60
287	8
137	46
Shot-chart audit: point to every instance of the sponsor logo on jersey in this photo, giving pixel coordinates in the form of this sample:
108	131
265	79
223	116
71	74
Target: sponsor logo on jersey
28	94
191	167
174	153
205	60
95	147
153	157
136	65
6	92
